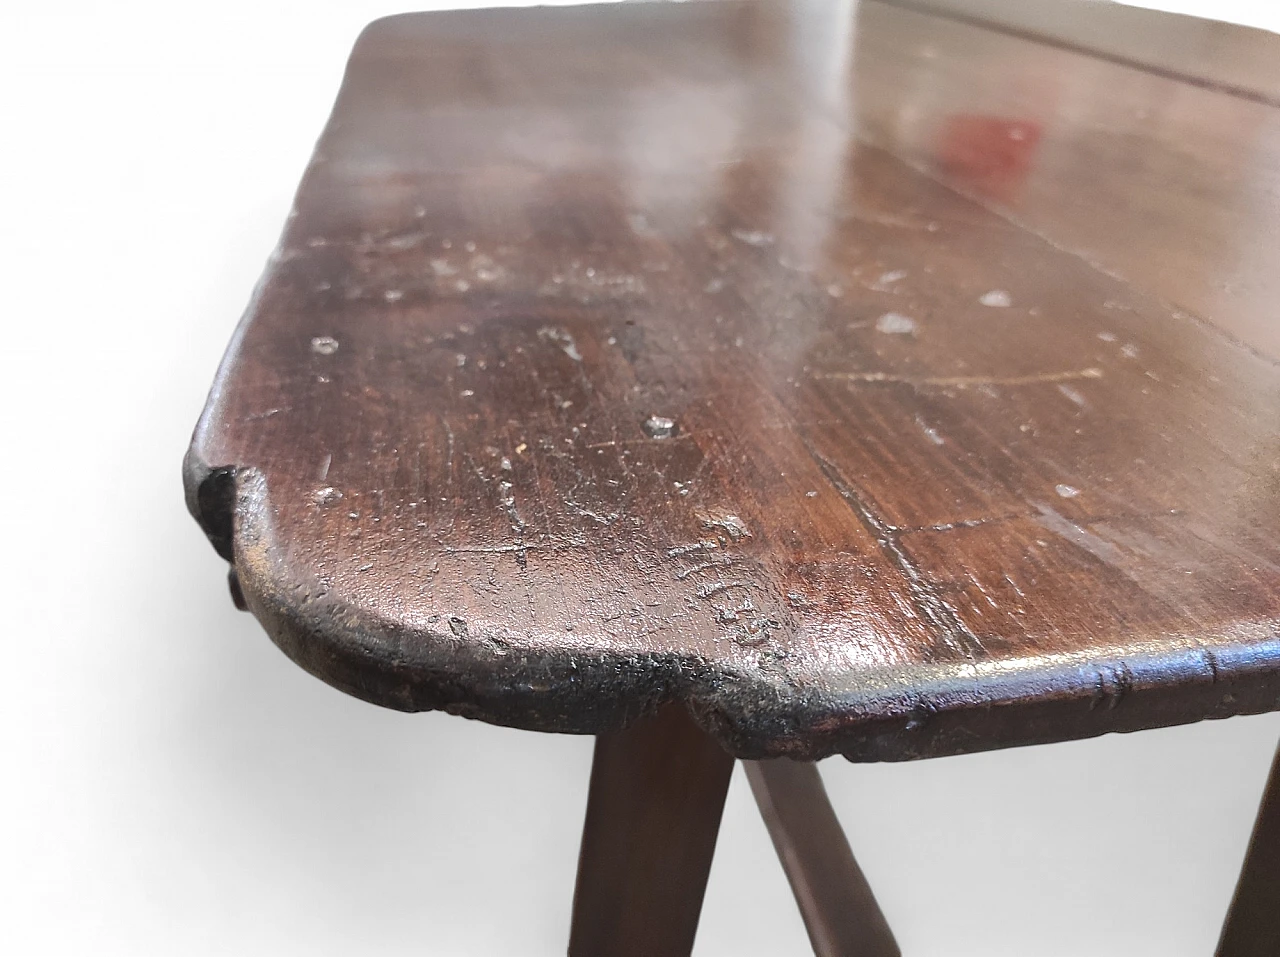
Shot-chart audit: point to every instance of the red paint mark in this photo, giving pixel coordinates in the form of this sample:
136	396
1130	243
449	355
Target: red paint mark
990	154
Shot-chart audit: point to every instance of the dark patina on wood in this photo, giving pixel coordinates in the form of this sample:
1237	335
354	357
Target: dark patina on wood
606	361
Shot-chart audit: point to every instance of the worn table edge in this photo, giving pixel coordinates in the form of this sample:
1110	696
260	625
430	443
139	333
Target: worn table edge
918	711
913	712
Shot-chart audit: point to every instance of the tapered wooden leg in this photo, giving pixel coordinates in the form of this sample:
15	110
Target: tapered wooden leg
653	813
839	910
1252	928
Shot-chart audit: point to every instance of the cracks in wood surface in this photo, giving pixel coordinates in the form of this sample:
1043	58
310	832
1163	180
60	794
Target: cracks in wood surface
1106	552
1114	682
1007	216
611	443
694	547
701	567
448	431
962	381
579	509
707	590
516	548
921	590
266	414
953	526
747	624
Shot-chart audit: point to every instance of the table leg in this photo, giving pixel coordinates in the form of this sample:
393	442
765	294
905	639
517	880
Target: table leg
1252	928
839	910
653	813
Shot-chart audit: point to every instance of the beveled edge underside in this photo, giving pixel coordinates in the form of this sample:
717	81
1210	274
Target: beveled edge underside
891	715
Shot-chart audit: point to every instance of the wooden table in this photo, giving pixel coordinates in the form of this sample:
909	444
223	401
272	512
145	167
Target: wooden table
766	379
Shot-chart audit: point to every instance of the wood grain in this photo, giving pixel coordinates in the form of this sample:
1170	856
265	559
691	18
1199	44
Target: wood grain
1172	185
1211	53
942	472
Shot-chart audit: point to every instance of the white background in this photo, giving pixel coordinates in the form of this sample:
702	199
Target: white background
173	786
1253	13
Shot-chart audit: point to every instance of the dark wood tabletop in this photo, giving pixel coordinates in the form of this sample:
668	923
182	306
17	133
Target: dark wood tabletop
873	382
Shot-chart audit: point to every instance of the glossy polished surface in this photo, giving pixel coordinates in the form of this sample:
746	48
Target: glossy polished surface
604	362
1211	53
1169	184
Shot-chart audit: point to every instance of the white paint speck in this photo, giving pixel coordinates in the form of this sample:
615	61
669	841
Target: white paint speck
562	339
810	494
1073	395
326	496
1107	336
393	295
485	269
733	526
890	277
834	291
895	323
1066	491
752	237
324	345
930	432
468	393
1129	350
659	427
996	299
